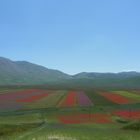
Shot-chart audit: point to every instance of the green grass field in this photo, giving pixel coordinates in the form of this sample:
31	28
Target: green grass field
128	94
33	126
46	102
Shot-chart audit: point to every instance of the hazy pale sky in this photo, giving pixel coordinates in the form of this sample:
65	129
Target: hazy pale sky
72	35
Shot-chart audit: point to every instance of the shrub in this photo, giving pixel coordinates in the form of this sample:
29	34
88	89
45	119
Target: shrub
133	126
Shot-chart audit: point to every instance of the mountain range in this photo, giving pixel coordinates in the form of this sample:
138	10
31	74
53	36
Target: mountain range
23	72
26	73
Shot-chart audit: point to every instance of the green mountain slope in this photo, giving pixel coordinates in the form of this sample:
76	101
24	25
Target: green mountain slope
22	72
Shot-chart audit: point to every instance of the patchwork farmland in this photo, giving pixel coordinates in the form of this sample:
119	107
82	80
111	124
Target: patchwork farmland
34	97
69	108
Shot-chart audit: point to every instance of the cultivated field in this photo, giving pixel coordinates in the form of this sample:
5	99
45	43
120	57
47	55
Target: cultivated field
44	114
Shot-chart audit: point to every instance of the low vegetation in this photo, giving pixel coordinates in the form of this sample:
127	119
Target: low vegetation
57	114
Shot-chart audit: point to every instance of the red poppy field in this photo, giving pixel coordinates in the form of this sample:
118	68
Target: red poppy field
33	98
78	118
116	98
69	100
28	99
128	114
84	111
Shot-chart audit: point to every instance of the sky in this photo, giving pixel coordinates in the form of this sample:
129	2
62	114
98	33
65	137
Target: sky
72	35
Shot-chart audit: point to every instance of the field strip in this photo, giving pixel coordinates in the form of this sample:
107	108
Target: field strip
116	98
69	100
61	97
46	102
33	131
8	91
83	99
127	94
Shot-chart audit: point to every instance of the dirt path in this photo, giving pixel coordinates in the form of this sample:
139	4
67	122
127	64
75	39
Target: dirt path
33	131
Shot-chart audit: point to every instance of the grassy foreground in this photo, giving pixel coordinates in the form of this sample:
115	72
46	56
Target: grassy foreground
37	127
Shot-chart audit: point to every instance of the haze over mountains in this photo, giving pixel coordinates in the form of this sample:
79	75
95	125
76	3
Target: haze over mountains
26	73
